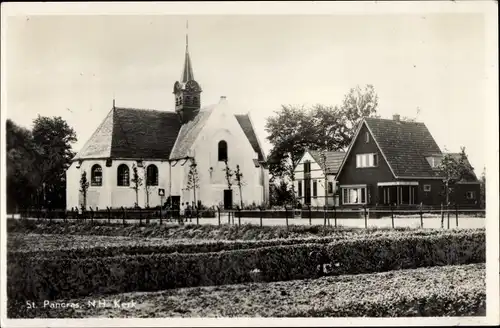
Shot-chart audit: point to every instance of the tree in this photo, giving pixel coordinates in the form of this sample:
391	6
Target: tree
193	181
136	183
229	174
20	167
454	169
239	182
280	193
52	139
84	186
357	104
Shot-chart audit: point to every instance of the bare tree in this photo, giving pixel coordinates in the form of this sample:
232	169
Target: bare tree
136	183
84	186
239	182
193	181
147	187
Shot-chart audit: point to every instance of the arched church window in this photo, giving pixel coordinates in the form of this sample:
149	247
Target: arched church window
96	175
152	175
222	151
123	175
196	101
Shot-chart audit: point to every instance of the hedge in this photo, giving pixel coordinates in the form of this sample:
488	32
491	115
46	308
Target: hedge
227	232
86	247
436	291
39	278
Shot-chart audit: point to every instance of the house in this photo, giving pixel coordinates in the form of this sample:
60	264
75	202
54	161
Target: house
163	145
396	162
311	173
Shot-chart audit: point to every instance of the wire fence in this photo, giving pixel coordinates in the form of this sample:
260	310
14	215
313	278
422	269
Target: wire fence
331	216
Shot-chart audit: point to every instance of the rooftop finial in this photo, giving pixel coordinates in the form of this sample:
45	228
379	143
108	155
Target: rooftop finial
113	100
187	72
187	35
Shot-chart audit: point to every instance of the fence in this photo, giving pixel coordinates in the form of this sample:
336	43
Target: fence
330	216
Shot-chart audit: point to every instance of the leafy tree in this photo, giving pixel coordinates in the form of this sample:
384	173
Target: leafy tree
482	197
20	166
147	187
193	181
84	187
280	193
454	169
239	182
292	129
136	183
52	139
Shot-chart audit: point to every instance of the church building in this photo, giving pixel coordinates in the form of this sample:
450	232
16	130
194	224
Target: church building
189	154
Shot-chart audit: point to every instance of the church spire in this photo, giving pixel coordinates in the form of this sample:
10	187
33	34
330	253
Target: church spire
187	72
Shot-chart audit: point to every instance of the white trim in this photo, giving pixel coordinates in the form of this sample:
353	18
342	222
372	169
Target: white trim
422	178
428	190
469	182
398	183
353	186
360	197
380	149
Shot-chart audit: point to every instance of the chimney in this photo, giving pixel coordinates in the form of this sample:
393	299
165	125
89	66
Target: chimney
396	117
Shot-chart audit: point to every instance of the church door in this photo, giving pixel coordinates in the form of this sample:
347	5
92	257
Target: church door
228	199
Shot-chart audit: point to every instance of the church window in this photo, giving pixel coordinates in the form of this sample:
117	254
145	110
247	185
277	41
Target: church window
222	151
123	175
96	175
152	175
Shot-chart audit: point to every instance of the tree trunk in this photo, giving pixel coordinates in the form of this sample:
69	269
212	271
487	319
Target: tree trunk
194	196
241	197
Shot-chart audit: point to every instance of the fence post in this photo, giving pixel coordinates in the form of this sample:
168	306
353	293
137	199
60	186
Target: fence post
442	216
324	215
218	214
261	216
286	216
392	215
91	215
421	217
229	217
335	215
448	214
197	216
456	213
366	218
310	219
109	214
123	215
239	215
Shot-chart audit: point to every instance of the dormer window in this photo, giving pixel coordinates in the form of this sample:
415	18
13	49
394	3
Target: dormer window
434	161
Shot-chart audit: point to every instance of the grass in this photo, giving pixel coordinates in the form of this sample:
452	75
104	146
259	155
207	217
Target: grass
437	291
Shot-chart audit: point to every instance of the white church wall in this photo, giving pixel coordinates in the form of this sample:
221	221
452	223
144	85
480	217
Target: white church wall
222	125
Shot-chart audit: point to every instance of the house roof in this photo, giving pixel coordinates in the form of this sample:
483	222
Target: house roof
333	160
152	134
247	126
405	146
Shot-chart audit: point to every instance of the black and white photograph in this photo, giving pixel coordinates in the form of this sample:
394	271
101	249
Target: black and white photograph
249	164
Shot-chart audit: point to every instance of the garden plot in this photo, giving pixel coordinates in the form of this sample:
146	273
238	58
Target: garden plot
436	291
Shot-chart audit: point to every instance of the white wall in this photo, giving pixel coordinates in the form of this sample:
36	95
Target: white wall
222	125
318	175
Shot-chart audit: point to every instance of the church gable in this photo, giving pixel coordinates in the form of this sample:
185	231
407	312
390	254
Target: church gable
99	144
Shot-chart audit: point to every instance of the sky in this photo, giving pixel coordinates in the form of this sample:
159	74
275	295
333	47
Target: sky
72	66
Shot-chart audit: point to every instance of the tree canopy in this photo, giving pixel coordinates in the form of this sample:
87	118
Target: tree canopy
37	161
293	129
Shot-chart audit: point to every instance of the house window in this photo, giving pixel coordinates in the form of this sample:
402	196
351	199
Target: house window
367	137
222	151
307	167
315	188
427	188
123	175
299	188
470	195
152	175
96	175
366	160
330	187
354	195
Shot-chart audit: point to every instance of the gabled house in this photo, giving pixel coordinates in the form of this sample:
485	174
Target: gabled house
310	175
393	162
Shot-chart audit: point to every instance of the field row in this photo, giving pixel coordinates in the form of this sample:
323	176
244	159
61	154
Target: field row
78	246
38	278
223	232
437	291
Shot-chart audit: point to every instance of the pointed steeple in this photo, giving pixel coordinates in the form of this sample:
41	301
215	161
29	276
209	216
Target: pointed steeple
187	72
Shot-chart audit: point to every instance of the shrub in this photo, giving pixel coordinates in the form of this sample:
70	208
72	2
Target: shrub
39	279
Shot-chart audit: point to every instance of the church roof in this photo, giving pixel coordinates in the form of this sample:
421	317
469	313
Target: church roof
151	134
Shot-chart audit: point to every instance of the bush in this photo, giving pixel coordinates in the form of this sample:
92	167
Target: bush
48	279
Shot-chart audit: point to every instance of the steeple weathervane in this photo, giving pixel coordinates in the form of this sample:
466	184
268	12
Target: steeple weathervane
187	73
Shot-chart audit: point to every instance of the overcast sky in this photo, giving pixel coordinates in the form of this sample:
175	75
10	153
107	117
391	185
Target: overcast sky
432	61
